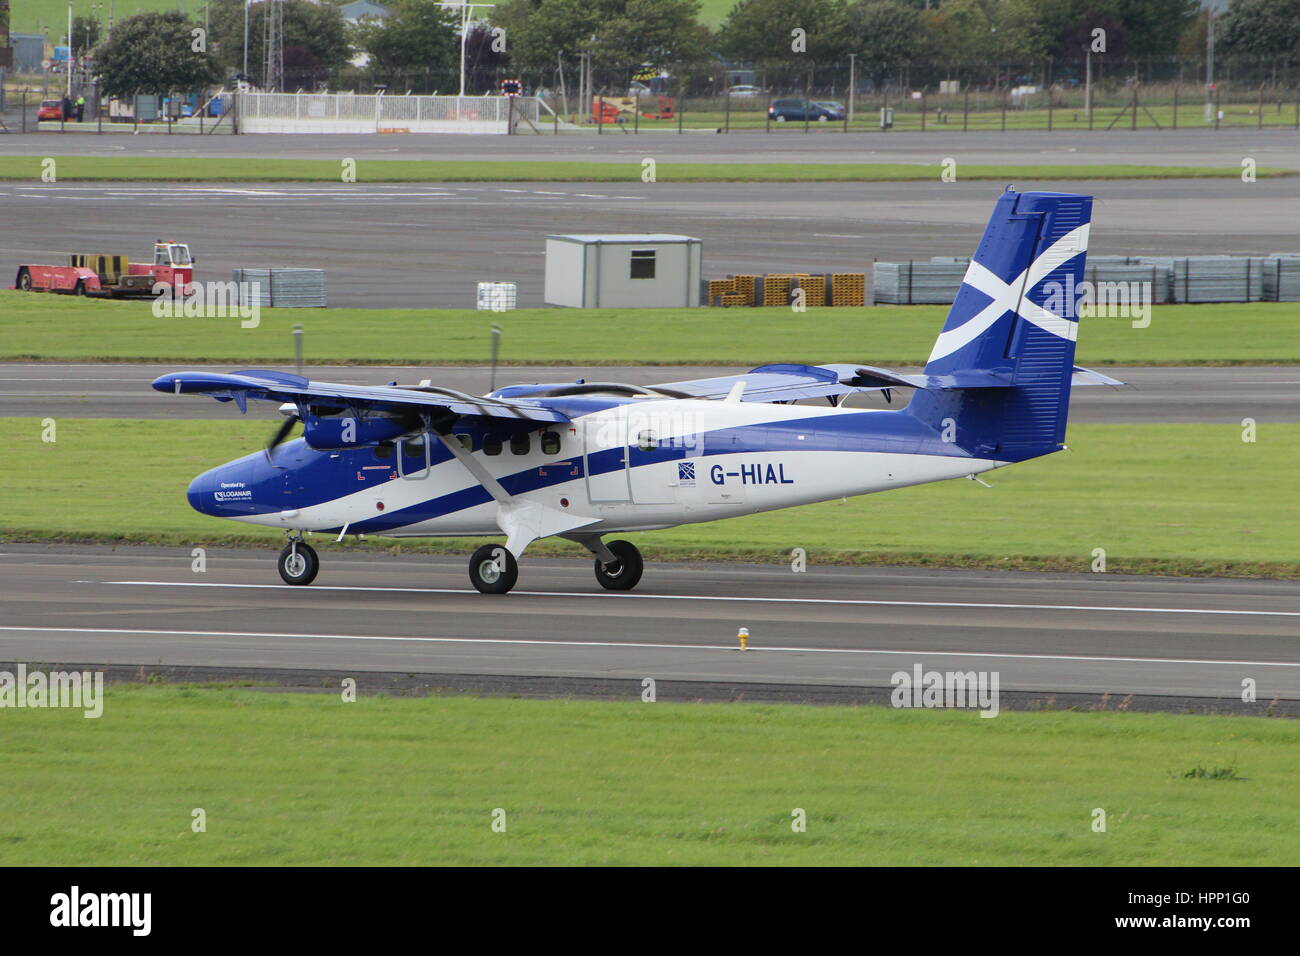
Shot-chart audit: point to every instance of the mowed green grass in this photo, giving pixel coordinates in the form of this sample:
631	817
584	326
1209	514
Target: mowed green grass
1190	499
62	328
295	779
29	16
247	169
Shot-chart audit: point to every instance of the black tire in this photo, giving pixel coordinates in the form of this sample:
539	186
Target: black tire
303	569
493	569
24	280
80	288
623	574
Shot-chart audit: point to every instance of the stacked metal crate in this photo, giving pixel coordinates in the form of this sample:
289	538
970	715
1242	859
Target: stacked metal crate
776	289
916	283
1194	279
1282	278
849	288
281	288
746	286
720	287
814	289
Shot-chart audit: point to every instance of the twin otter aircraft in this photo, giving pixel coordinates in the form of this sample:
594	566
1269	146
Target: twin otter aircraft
586	460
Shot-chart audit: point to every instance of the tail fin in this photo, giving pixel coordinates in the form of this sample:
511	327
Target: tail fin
1000	369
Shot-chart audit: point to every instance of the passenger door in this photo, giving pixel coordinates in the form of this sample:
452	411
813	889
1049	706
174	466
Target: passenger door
606	452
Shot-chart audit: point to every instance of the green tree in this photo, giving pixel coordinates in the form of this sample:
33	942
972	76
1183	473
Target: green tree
619	34
1133	27
315	45
152	53
886	34
1261	28
85	34
419	35
764	31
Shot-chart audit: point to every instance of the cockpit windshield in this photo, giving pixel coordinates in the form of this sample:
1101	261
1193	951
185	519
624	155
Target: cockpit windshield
180	255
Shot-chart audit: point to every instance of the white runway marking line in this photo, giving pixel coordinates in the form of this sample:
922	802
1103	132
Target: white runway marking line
729	648
743	600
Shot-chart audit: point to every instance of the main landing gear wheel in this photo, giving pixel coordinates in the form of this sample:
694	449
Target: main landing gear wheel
493	569
624	573
25	281
298	564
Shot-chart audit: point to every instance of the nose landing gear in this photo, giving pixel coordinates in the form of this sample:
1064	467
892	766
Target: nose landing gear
298	563
493	569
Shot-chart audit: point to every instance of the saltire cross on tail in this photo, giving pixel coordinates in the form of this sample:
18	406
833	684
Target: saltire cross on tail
587	460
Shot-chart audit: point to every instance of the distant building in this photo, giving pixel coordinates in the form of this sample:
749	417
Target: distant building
28	50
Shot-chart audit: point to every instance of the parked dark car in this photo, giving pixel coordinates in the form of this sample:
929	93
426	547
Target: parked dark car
800	111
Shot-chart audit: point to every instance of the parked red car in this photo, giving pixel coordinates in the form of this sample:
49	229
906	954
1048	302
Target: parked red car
50	110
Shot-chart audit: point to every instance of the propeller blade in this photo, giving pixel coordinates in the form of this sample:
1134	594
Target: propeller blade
281	433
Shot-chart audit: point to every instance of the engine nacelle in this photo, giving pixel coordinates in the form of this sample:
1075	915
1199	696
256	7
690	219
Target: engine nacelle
345	431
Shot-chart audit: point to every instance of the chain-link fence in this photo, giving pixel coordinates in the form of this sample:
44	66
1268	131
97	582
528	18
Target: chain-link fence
51	108
361	113
1089	93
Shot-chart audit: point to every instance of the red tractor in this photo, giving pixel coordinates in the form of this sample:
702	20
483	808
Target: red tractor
112	276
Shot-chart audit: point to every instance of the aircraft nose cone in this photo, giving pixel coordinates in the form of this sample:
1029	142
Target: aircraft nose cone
224	492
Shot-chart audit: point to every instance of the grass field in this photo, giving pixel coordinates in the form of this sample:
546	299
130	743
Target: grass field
305	779
1175	499
242	169
62	328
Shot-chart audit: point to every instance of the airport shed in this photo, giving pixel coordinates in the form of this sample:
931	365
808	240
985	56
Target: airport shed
623	271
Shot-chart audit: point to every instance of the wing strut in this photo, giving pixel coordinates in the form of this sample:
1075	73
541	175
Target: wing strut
522	521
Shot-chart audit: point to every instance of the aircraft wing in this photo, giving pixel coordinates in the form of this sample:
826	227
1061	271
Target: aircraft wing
782	383
268	385
770	383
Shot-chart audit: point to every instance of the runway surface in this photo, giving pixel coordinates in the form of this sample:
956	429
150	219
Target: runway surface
1216	395
829	627
429	244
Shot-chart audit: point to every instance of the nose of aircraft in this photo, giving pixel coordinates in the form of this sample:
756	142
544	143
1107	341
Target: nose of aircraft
224	492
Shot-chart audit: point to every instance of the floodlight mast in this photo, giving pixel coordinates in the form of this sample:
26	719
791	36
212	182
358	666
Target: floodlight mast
466	12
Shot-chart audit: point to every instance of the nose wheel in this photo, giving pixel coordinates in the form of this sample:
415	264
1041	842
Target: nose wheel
298	563
624	573
493	569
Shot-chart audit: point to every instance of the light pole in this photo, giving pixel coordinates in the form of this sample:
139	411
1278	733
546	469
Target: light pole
246	5
1209	65
466	13
70	51
852	83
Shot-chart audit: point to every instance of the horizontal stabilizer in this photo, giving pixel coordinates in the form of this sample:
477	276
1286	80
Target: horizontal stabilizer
1087	376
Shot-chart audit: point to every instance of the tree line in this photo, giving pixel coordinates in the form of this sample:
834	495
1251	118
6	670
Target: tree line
161	51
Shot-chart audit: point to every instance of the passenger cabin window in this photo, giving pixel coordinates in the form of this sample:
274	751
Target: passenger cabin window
646	441
519	444
466	441
492	445
384	450
643	264
550	443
